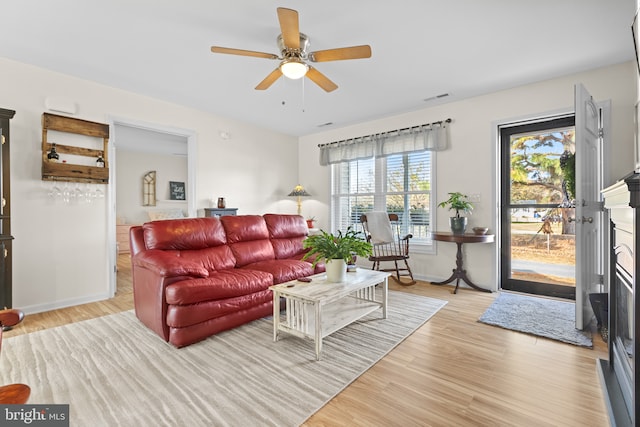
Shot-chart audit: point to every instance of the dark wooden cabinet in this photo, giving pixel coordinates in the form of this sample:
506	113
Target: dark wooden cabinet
216	212
5	211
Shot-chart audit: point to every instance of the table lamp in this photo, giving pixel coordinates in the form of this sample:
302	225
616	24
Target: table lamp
299	192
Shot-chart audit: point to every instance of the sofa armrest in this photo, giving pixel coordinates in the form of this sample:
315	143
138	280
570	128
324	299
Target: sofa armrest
168	265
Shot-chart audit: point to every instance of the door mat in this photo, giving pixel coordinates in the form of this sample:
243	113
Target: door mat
542	317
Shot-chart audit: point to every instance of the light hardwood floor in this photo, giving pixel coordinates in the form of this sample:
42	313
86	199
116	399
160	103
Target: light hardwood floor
453	371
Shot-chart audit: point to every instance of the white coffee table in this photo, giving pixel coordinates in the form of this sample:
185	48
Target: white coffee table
320	308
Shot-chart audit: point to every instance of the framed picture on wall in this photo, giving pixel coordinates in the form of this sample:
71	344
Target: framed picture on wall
176	190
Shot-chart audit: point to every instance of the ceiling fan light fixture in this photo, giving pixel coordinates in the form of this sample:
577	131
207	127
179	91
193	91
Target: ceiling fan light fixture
294	54
293	68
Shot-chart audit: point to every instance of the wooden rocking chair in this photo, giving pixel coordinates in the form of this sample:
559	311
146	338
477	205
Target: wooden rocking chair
395	250
12	394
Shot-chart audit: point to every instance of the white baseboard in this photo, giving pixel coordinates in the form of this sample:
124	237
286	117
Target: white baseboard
41	308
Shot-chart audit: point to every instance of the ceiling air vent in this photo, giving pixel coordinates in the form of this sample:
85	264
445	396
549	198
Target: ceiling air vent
433	98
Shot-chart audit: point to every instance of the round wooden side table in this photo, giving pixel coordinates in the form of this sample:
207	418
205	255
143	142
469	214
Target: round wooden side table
459	240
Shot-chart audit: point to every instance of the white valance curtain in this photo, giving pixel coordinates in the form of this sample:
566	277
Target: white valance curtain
432	137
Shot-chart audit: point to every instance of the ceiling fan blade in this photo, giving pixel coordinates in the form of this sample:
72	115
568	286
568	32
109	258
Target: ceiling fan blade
269	80
353	52
230	51
290	27
321	80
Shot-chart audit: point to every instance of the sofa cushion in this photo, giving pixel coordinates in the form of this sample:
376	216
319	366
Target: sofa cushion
169	264
180	316
248	238
184	234
287	248
286	233
216	258
244	228
219	285
282	226
246	253
282	270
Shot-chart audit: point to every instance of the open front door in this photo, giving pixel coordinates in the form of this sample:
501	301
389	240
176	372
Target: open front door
589	218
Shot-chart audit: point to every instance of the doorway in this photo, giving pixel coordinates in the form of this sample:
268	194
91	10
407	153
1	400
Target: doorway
537	199
152	138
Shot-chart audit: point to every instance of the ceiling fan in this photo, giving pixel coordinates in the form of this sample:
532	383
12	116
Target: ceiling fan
294	57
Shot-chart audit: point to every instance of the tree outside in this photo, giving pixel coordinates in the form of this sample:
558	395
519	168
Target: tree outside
542	181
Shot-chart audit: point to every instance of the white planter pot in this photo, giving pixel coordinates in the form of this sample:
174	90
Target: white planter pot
336	270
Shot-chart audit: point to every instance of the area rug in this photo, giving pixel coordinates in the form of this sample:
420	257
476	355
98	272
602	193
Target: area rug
113	371
543	317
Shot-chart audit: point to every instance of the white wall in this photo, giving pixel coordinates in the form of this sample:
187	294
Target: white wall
469	165
131	166
61	252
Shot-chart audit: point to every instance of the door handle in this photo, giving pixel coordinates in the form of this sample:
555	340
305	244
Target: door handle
589	220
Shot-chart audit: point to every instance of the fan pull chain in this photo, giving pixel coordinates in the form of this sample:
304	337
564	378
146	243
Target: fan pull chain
303	79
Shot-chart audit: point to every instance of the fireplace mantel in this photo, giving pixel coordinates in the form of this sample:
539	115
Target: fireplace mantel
619	374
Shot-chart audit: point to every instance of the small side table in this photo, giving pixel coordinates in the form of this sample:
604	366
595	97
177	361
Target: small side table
459	240
218	212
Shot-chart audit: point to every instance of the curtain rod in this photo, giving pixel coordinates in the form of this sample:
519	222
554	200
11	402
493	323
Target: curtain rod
381	133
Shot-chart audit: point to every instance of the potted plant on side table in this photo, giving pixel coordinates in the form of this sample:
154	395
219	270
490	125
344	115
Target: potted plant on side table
460	203
336	251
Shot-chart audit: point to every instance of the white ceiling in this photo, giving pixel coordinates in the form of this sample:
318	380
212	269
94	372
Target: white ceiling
421	49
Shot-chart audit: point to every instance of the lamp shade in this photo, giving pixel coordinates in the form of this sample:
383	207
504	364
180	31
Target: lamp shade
299	191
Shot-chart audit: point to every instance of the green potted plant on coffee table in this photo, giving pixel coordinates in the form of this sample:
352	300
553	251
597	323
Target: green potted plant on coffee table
460	203
336	251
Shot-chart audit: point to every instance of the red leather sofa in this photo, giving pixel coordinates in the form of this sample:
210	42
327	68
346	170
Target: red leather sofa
195	277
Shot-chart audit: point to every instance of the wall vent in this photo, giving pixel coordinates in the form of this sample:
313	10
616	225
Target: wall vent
433	98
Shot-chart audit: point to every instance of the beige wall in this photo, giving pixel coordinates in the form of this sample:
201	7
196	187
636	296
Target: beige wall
131	166
63	255
469	165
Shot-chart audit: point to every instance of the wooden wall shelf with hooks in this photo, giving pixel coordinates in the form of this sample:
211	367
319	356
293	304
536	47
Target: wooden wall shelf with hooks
70	172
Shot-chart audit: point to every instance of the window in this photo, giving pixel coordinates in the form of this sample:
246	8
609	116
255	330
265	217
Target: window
398	183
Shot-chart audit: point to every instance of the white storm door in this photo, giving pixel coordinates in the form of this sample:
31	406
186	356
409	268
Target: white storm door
589	218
